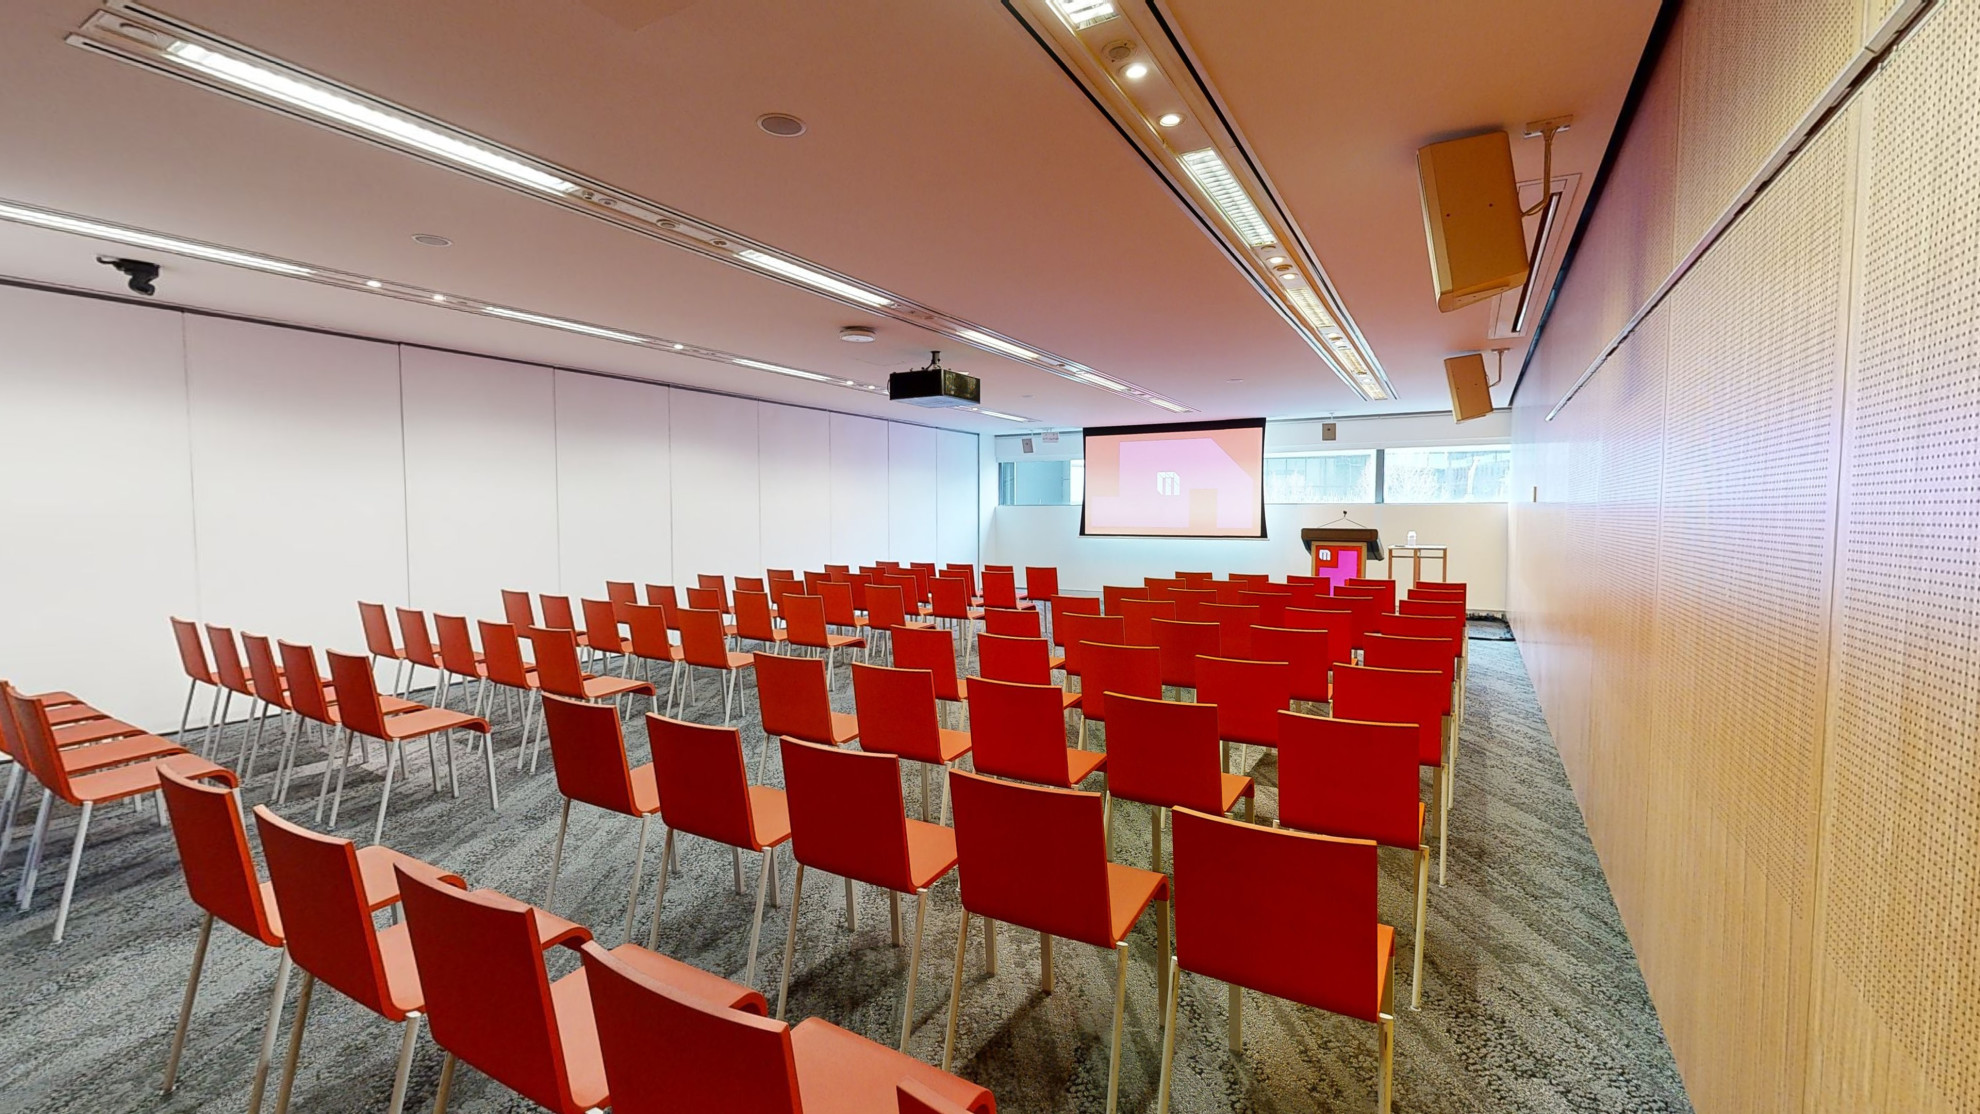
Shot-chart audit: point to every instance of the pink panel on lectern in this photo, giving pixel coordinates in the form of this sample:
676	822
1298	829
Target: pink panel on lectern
1336	567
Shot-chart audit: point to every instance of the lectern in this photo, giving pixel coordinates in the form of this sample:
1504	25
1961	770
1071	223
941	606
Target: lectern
1341	552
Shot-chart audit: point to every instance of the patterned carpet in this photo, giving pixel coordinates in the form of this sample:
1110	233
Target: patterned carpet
1532	999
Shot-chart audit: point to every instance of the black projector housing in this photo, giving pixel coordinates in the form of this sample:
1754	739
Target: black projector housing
934	386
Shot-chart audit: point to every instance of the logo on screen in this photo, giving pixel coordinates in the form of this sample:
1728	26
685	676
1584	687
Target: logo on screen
1168	483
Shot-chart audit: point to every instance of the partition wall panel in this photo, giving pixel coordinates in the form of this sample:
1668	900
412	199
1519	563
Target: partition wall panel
861	492
1744	568
98	502
958	529
912	489
717	524
614	483
797	486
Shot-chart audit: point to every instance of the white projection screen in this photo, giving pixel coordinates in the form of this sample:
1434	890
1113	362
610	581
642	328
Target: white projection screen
1187	480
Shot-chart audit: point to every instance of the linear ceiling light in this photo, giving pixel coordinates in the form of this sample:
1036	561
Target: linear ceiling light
1102	380
1167	405
782	370
134	33
123	235
1207	167
560	323
999	414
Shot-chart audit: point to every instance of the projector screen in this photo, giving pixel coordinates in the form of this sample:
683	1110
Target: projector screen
1189	480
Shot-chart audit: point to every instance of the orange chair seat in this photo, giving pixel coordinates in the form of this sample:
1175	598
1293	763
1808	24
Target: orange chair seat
842	1073
1129	890
395	955
119	752
841	641
604	688
1385	951
952	744
73	713
736	661
426	721
845	728
390	705
931	851
770	816
376	867
94	731
645	789
129	781
1080	763
58	698
1071	700
1235	787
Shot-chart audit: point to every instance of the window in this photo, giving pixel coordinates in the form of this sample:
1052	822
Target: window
1041	483
1320	477
1472	474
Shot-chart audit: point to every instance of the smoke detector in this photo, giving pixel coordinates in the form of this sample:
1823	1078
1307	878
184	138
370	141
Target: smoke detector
856	334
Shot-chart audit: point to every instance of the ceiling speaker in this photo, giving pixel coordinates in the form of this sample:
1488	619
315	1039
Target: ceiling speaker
1471	216
1471	394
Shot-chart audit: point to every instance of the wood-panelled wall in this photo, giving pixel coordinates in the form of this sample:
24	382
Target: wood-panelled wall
1745	558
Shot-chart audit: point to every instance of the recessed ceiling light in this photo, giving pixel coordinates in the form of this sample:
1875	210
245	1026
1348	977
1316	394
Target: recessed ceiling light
810	277
857	334
373	283
439	297
1000	344
780	124
1289	276
1276	260
1169	119
432	241
1135	71
782	370
121	234
1233	380
560	323
678	347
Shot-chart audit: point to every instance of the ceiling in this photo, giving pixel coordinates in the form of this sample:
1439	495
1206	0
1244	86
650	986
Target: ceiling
948	159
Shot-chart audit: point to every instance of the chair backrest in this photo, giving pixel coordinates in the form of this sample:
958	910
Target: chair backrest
1190	603
1339	626
707	599
1196	577
227	659
1063	606
897	713
837	572
557	613
213	853
1312	595
967	572
1114	668
319	893
480	957
999	588
266	674
456	645
1227	590
1164	752
847	816
1236	621
1249	578
517	610
648	623
1316	946
502	656
1033	857
1179	644
1111	596
303	682
1362	608
712	582
792	696
1415	696
1385	590
668	1051
664	596
702	641
1394	651
1024	661
753	617
930	648
556	656
621	592
749	584
1451	630
804	620
913	593
357	694
1013	622
1018	730
1072	629
1138	614
419	641
886	606
33	742
1298	579
839	605
1249	696
1447	609
601	626
377	630
704	787
951	597
1158	587
1306	651
1348	778
192	654
1041	582
812	580
1271	605
588	748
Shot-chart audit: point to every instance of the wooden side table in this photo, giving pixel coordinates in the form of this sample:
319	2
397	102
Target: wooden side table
1416	555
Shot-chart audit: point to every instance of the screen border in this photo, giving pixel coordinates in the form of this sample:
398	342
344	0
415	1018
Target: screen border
1181	427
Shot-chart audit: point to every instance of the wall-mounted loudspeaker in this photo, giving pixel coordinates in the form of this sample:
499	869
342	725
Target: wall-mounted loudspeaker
1471	215
1471	391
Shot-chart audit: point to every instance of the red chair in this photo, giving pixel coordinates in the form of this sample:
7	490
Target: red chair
1158	588
899	717
1019	731
704	646
934	649
1196	577
653	645
1385	590
361	712
1112	595
710	582
272	681
804	625
1026	661
221	879
1339	626
1111	668
1010	623
420	650
1358	780
951	604
1165	754
1041	582
558	615
621	593
755	622
1249	696
1235	621
325	897
378	640
1305	651
848	819
886	609
233	681
1271	605
1362	606
558	673
601	633
503	665
458	659
1037	858
1450	626
589	749
1323	945
1249	578
1137	617
705	791
36	747
1074	629
517	610
668	1050
1063	606
1191	601
842	607
967	573
1179	644
1392	651
712	599
792	699
1000	591
192	658
1411	696
314	702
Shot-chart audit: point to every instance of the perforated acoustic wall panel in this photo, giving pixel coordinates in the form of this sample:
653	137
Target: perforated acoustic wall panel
1745	565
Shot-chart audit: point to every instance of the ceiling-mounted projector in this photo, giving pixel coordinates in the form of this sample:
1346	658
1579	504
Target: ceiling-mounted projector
934	385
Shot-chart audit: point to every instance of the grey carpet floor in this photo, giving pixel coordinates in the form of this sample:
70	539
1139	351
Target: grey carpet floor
1532	998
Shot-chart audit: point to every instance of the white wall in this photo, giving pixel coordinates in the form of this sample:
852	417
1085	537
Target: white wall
161	463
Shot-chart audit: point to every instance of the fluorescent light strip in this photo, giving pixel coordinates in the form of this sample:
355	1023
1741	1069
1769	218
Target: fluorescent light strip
810	277
975	336
1207	169
1081	14
97	230
1102	380
324	100
1169	406
999	414
569	326
782	370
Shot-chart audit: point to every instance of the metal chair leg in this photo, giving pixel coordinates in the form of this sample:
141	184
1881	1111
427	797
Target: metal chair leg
75	864
914	964
399	1078
268	1031
955	994
756	923
660	894
639	870
186	1006
295	1045
557	854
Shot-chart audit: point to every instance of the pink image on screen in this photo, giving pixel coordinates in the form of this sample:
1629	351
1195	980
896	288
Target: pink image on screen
1177	484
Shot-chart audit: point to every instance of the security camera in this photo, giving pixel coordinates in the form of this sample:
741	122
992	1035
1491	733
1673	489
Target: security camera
142	274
